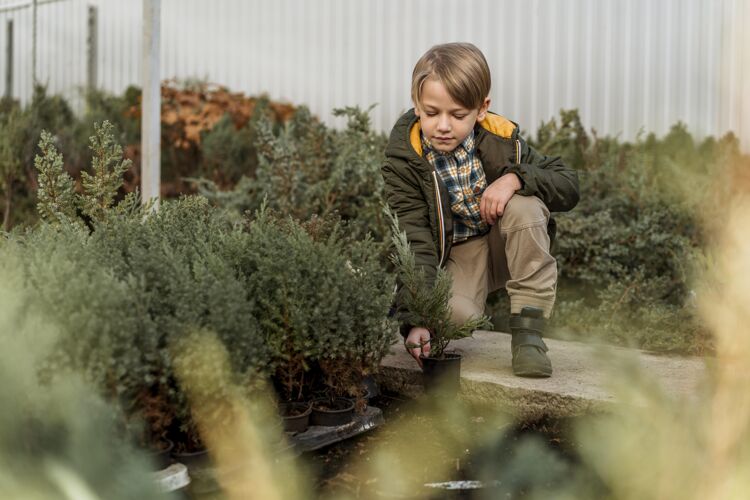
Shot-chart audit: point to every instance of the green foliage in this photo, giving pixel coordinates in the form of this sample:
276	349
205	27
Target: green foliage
305	168
319	296
229	153
44	112
627	251
56	434
163	273
291	184
187	267
176	256
100	107
12	125
108	165
11	164
64	439
425	306
57	197
48	112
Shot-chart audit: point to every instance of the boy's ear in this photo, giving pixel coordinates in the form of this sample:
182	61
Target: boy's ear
483	109
416	109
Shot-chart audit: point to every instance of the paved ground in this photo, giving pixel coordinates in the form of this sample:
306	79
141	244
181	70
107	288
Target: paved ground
580	383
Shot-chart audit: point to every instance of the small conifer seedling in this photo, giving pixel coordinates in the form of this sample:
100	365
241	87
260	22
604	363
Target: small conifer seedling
424	306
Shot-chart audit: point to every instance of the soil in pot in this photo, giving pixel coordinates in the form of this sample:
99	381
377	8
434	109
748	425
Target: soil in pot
442	375
296	416
327	412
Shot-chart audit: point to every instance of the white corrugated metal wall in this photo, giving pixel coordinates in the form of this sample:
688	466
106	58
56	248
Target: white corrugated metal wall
628	65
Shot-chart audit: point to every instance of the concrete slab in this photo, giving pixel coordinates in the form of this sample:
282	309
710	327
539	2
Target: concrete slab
578	385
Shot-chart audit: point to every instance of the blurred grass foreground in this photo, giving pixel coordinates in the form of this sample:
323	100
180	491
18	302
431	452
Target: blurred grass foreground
121	328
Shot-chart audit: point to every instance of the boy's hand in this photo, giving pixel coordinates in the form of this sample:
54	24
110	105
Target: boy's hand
418	342
496	196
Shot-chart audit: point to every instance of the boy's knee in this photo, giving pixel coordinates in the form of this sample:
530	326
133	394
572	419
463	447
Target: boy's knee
524	211
463	308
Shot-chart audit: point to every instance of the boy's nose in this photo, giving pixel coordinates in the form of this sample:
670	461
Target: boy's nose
444	125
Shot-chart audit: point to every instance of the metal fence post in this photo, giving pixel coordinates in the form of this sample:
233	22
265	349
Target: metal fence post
33	41
92	48
151	103
9	59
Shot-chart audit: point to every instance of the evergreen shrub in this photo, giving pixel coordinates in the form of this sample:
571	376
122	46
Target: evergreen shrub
12	126
171	269
321	298
229	152
627	252
282	296
307	169
22	126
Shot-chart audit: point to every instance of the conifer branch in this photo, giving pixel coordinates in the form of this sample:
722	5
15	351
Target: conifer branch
421	305
57	198
108	165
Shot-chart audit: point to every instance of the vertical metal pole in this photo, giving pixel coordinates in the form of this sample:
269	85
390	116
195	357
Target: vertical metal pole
92	48
33	42
151	103
9	59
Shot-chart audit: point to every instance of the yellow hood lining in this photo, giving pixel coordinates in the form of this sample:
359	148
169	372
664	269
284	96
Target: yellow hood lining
493	123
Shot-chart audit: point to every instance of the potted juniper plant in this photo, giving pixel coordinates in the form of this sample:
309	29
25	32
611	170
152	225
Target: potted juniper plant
353	300
135	282
321	298
428	307
111	334
277	261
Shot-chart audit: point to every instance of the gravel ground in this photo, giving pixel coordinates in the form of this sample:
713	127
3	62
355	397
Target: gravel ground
487	446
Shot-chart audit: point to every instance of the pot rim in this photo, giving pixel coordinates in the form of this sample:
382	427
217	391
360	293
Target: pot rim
446	356
349	407
190	454
167	450
307	404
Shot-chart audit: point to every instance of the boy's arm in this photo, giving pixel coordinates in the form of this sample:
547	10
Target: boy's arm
547	178
405	199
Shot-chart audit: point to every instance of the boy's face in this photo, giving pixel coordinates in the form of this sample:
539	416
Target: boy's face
445	123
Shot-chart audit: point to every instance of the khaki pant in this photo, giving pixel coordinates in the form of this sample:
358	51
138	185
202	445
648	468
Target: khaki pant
514	255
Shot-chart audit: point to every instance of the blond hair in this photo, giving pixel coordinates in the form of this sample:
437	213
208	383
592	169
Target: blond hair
461	67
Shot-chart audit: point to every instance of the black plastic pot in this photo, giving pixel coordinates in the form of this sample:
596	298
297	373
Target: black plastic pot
193	460
201	471
295	416
329	413
161	456
371	387
442	375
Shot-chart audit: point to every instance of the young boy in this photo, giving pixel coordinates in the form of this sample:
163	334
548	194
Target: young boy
474	198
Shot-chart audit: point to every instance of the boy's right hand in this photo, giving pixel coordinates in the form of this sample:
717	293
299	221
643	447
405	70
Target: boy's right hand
418	342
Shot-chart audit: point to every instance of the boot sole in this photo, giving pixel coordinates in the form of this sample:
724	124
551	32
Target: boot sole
532	372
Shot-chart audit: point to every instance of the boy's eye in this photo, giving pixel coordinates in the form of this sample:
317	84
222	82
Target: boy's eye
459	117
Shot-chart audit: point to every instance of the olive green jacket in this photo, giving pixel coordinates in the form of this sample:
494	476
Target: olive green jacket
418	196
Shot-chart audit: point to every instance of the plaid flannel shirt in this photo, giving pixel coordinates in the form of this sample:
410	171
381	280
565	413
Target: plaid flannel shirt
463	175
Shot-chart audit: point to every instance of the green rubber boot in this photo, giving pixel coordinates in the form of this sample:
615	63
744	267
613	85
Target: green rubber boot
529	350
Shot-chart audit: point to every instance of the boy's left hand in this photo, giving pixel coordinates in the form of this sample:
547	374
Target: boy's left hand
496	196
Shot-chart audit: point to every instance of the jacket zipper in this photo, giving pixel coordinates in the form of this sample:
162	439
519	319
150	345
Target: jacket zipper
518	151
441	221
